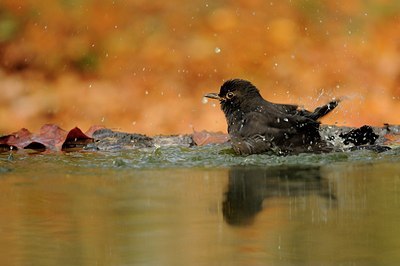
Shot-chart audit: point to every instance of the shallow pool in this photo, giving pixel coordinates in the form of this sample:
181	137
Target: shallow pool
200	206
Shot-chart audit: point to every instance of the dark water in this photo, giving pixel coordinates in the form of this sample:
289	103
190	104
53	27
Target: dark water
200	206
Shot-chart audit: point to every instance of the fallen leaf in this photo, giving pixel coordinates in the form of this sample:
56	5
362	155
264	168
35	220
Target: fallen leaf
52	136
75	140
19	139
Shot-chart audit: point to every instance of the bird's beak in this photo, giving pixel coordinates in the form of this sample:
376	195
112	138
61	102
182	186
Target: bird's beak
213	96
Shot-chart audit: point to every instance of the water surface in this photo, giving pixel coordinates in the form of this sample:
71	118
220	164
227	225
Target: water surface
200	206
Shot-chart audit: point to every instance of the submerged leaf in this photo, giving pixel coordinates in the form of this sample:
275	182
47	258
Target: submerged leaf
205	137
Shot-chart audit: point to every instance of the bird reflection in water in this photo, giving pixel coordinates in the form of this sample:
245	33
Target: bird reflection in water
249	186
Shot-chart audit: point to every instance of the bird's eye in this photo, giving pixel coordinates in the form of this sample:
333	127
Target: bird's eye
230	95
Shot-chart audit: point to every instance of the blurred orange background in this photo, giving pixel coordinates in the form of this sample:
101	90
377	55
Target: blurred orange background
143	66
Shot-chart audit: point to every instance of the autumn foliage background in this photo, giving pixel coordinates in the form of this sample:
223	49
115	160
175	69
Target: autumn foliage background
143	66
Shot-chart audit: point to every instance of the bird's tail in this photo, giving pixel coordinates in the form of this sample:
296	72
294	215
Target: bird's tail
322	110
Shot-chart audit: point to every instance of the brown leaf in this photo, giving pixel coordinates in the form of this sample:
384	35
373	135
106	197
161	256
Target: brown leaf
19	139
52	136
75	140
22	139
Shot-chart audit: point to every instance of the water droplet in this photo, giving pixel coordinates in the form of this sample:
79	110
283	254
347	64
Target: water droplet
103	119
204	100
133	123
217	50
146	92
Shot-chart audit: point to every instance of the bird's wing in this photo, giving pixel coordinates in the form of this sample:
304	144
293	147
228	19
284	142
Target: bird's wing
267	125
260	132
314	115
287	108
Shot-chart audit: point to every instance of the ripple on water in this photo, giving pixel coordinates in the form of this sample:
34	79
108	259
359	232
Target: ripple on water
219	156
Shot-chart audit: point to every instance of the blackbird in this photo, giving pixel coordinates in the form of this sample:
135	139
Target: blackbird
256	125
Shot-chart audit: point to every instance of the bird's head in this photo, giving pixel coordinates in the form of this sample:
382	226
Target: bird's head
234	92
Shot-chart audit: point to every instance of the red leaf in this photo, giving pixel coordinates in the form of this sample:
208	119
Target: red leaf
52	136
19	139
76	139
